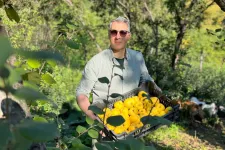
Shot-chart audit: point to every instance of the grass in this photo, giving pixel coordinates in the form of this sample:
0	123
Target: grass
179	137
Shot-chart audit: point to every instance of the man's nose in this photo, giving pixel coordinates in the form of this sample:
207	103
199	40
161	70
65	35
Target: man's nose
118	35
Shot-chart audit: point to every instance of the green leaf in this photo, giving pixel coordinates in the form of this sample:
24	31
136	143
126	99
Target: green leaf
30	84
102	146
89	120
115	95
5	49
95	109
5	134
77	145
48	79
52	63
80	129
133	143
44	55
34	77
11	13
20	141
14	76
93	133
52	148
115	120
40	119
218	30
71	26
37	131
149	148
29	94
72	44
4	72
33	63
153	120
103	80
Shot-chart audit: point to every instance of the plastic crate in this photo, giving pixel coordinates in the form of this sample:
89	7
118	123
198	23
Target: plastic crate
172	116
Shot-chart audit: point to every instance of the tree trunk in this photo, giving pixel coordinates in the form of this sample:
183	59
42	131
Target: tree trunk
180	36
201	61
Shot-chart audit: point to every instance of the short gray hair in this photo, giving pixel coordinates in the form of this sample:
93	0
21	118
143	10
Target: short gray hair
120	19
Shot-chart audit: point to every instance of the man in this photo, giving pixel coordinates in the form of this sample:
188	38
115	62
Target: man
124	80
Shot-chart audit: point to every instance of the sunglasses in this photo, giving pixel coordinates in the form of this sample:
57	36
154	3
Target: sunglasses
123	33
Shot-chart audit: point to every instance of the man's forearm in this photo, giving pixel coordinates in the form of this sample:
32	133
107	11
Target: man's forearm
83	103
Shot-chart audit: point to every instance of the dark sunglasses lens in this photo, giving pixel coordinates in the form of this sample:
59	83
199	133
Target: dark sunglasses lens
123	33
113	32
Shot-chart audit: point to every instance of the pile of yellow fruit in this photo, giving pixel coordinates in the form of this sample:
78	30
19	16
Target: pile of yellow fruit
132	110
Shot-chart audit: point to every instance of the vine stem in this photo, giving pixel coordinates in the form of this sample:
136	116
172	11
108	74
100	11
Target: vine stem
7	101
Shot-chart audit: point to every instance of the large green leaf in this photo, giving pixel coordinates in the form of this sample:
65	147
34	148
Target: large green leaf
29	94
153	120
11	13
115	120
103	80
133	143
5	134
95	109
5	49
37	131
80	129
44	54
72	44
33	63
102	146
89	120
149	148
93	133
77	145
20	141
48	79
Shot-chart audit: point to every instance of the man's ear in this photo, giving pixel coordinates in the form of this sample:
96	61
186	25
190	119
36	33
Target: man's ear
129	36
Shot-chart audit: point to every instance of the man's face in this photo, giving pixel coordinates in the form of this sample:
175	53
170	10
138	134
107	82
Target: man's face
118	40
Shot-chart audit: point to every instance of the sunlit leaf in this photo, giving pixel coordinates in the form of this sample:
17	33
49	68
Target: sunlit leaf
115	120
5	134
38	132
93	133
44	55
80	129
39	119
29	94
48	79
5	49
103	80
89	120
95	109
52	63
71	26
72	44
115	95
33	63
11	13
